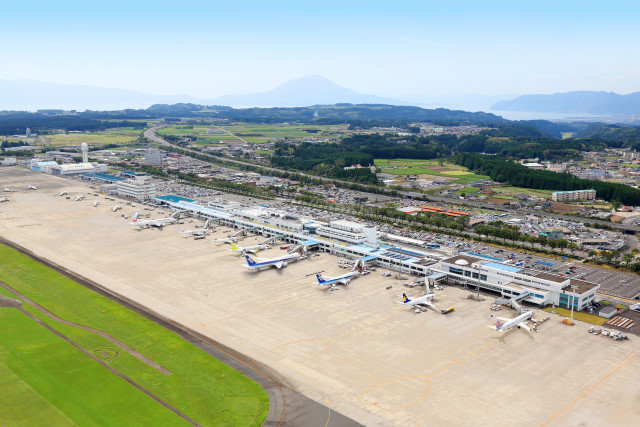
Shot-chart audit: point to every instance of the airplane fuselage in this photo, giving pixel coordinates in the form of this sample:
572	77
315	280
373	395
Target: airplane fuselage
278	262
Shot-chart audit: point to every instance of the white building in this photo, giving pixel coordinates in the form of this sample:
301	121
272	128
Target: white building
73	169
8	161
137	189
153	157
538	287
45	167
349	231
571	196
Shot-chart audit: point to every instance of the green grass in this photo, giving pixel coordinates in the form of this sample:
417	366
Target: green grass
415	162
468	190
512	191
111	136
257	133
200	386
47	381
577	315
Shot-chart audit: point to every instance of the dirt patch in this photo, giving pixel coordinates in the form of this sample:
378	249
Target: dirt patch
441	168
9	302
561	207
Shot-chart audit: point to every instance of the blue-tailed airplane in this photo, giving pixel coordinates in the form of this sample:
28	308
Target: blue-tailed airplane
277	262
343	279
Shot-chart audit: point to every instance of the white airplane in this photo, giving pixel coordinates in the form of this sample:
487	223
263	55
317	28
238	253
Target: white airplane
417	302
62	193
198	232
343	279
116	208
254	248
95	204
277	262
3	199
226	240
153	222
503	325
32	187
80	197
6	190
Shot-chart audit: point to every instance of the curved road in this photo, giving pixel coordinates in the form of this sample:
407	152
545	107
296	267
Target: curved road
151	134
286	406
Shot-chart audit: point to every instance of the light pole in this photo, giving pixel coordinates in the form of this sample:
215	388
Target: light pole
573	298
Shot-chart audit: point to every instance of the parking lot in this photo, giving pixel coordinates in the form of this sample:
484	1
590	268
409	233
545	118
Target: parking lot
355	350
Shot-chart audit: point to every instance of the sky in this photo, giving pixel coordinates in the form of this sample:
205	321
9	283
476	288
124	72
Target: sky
391	48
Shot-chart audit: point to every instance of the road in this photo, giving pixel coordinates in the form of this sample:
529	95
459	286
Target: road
151	134
286	406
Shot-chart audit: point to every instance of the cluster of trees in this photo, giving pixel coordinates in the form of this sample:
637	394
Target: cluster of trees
505	232
502	170
616	259
16	122
304	179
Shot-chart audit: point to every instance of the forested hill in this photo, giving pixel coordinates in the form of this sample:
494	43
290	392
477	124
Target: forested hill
575	102
502	170
360	112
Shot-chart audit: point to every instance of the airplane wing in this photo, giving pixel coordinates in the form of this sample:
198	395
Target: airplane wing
502	318
279	264
344	281
523	325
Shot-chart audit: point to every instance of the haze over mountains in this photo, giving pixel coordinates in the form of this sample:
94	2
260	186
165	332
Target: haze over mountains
305	91
588	102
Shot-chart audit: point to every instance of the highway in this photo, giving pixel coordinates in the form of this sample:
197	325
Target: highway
628	228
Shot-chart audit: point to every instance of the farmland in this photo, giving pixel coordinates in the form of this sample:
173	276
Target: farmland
111	136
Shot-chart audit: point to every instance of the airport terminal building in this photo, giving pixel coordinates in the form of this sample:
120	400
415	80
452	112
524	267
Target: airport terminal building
358	241
531	285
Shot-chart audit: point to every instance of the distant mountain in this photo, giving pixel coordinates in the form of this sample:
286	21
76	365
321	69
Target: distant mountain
302	92
34	95
587	102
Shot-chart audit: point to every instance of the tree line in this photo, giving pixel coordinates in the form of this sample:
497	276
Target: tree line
502	170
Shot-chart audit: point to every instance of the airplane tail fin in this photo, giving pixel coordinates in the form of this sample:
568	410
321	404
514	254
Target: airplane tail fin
249	260
499	323
405	298
320	279
233	246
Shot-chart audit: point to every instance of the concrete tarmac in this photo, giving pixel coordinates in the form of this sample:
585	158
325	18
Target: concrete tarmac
355	351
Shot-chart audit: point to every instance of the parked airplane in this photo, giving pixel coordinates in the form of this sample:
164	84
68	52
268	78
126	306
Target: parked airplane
254	248
277	262
80	197
62	193
416	303
153	222
95	204
226	240
6	190
198	232
503	325
343	279
3	199
32	187
116	208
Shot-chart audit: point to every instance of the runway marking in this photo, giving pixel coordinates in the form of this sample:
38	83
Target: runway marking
590	388
326	396
396	379
367	324
302	340
463	357
260	308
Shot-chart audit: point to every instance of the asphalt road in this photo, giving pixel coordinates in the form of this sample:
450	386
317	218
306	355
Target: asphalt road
286	406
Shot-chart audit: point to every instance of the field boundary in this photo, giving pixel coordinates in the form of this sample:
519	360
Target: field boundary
106	365
286	405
